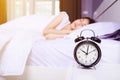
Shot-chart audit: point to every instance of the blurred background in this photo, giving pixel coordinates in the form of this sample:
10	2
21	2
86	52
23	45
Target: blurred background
11	9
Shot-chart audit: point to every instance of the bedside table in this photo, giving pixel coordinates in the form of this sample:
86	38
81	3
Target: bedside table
101	72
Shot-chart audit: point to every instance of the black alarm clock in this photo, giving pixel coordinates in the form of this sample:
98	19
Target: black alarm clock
87	53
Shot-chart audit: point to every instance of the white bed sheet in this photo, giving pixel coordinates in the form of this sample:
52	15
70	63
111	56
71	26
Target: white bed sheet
59	53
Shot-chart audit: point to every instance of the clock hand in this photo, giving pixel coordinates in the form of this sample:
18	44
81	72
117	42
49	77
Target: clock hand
83	51
87	49
92	50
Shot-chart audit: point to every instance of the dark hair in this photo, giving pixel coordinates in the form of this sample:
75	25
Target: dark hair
91	20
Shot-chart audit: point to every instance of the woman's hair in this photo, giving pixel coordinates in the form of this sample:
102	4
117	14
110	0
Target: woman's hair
90	19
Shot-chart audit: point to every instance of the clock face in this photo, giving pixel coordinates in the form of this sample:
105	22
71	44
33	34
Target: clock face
87	53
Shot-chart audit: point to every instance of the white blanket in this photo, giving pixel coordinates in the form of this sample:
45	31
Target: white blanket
16	39
15	53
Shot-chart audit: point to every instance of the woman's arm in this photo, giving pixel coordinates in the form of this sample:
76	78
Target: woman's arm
58	32
54	36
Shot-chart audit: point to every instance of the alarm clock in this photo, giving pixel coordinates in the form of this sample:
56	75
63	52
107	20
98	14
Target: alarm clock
87	53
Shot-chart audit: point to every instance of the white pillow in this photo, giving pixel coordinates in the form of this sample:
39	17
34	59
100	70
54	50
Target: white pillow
100	28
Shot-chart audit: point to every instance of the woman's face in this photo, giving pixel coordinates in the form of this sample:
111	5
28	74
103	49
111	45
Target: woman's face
79	23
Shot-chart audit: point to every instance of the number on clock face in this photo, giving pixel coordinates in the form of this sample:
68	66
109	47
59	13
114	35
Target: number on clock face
87	54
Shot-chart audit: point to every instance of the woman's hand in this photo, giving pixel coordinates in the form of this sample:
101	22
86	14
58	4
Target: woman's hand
58	32
53	34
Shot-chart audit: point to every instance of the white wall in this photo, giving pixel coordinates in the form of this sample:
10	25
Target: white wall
112	14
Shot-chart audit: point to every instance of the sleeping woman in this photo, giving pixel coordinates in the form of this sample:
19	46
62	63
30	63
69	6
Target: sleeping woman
55	52
50	32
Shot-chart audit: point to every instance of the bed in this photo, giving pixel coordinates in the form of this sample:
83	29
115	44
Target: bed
24	62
